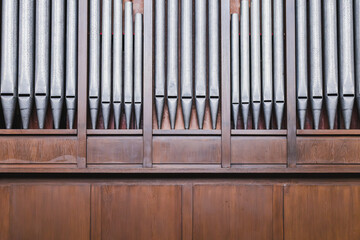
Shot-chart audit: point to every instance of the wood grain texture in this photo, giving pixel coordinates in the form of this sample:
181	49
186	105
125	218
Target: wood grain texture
50	212
103	150
191	150
322	212
328	150
258	150
141	212
57	150
232	212
4	212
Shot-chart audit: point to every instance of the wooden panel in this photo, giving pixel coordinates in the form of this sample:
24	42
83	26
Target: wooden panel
258	150
50	212
38	149
140	212
4	212
233	212
180	149
322	212
328	150
114	150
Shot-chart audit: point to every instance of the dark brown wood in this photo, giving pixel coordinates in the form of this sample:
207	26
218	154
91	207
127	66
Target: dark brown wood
107	150
192	132
225	84
327	132
148	82
95	213
290	82
187	212
258	150
4	212
82	81
252	132
322	212
114	132
20	132
190	150
278	211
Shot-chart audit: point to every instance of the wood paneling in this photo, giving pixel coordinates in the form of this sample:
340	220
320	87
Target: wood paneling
322	212
102	150
189	149
138	212
258	150
232	212
328	150
4	212
38	149
48	212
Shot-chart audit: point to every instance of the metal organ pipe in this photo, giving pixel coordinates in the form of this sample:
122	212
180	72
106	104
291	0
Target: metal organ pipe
235	68
138	68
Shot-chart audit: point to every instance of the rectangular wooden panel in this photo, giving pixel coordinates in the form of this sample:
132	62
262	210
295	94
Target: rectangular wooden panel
187	149
50	212
258	150
328	150
32	149
4	212
233	212
139	212
322	212
101	150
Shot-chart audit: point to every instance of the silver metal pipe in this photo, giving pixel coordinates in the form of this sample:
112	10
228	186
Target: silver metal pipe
94	61
26	59
186	72
117	62
42	59
316	75
255	62
9	61
128	63
301	61
172	59
159	59
279	82
235	68
330	60
57	79
200	60
106	61
214	60
71	60
245	60
267	65
138	68
357	51
346	60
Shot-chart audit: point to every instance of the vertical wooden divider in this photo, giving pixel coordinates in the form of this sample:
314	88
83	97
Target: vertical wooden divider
82	81
148	82
225	85
291	82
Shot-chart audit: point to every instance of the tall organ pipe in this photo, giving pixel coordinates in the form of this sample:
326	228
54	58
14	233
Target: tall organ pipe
128	63
330	60
71	60
200	60
42	59
26	59
57	79
346	60
357	51
138	68
235	68
117	62
94	62
267	74
172	59
255	62
9	60
186	72
159	59
245	60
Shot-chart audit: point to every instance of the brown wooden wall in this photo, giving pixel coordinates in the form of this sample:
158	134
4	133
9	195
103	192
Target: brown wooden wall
180	209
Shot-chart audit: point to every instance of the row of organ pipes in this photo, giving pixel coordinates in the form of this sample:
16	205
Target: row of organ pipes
257	62
29	69
115	74
327	59
206	76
